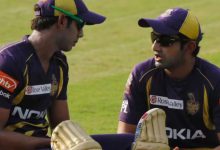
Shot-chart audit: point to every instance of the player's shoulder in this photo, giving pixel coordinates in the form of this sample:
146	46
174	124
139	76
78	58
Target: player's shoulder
208	70
146	65
13	56
17	50
145	69
207	67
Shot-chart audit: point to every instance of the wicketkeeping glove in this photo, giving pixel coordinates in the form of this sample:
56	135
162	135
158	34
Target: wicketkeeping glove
68	135
150	133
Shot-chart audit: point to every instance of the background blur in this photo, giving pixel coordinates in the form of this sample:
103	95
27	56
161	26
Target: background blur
101	62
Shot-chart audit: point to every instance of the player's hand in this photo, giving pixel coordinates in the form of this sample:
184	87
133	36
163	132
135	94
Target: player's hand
150	133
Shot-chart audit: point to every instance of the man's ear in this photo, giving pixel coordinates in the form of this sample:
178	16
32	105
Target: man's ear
62	22
190	46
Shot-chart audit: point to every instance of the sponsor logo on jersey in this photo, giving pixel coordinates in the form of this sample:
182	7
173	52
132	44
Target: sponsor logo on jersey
124	106
6	95
184	134
28	113
7	82
165	101
192	106
38	89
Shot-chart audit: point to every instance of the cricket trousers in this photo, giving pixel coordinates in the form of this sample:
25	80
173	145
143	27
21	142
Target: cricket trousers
112	141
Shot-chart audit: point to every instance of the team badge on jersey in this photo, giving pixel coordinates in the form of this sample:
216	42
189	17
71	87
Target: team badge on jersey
192	106
54	85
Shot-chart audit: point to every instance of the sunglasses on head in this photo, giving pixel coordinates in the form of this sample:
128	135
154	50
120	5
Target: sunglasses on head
79	21
164	40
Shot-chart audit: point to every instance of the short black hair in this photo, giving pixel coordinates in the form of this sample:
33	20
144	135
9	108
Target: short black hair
185	39
41	23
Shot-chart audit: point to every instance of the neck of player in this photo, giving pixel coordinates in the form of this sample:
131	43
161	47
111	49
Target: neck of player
182	71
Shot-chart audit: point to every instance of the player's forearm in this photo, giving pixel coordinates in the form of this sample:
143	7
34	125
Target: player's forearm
15	141
125	127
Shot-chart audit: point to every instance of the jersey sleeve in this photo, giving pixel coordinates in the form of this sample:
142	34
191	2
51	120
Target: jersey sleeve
64	77
8	80
134	101
216	107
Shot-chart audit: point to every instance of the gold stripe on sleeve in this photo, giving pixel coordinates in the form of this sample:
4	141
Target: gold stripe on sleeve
148	88
206	117
20	95
60	82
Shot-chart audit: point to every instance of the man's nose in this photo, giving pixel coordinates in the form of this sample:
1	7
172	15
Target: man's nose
156	46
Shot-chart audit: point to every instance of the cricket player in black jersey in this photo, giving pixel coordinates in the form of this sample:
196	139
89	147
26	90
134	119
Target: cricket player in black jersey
34	74
176	80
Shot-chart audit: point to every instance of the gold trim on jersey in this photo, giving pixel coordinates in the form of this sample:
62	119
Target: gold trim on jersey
20	125
18	98
62	61
205	78
207	121
148	89
31	132
60	82
21	94
148	86
146	73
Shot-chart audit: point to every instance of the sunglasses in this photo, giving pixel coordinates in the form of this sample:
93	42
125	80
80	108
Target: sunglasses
79	21
164	40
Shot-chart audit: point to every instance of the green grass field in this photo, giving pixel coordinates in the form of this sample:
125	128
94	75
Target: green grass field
102	60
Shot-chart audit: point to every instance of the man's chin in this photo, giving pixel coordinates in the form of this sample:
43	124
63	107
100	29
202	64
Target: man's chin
68	49
159	65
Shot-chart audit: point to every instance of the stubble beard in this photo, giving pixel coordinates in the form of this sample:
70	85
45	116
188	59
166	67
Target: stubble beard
171	63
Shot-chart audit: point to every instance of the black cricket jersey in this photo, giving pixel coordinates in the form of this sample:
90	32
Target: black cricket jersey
192	105
27	90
